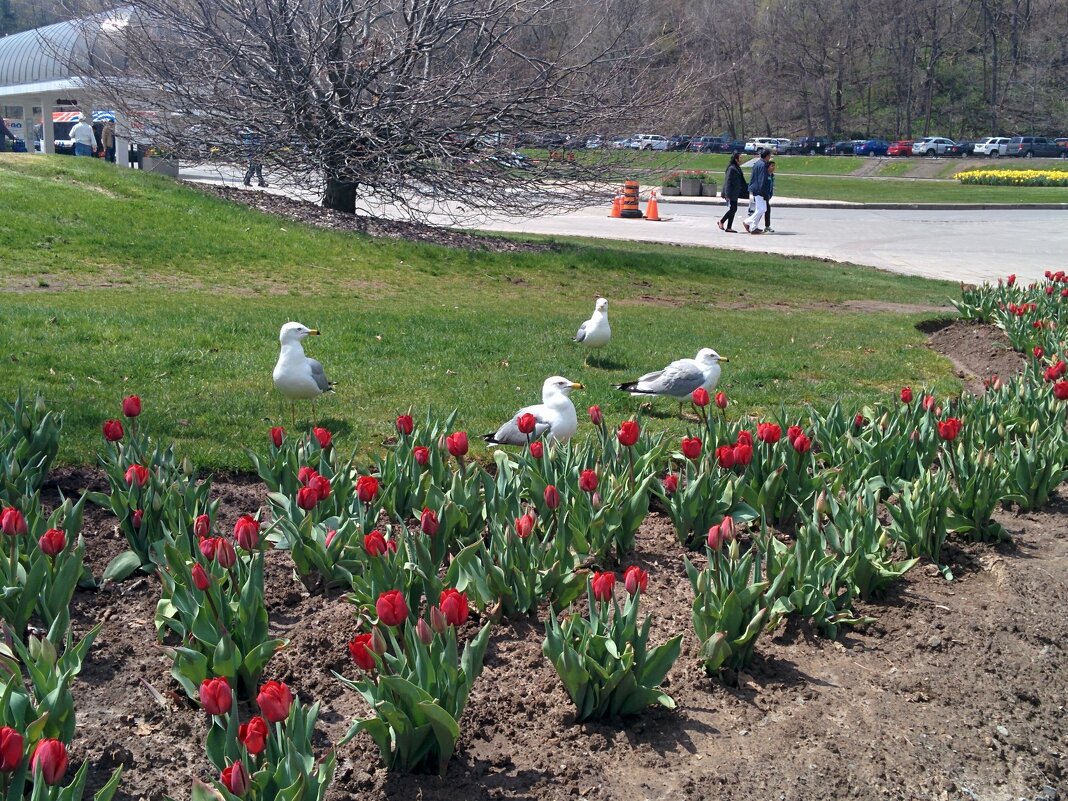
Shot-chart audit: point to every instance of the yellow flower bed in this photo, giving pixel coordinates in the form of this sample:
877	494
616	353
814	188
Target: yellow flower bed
1014	177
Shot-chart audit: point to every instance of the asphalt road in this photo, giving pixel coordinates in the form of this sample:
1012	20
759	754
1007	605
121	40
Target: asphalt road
970	246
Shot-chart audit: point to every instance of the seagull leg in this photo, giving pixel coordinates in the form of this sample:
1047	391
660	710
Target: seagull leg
315	417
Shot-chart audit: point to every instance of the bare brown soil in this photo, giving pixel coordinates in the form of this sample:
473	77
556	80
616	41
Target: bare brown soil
957	691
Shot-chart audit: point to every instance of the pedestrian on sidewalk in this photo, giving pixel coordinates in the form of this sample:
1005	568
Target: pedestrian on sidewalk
733	188
758	190
771	192
107	139
84	137
254	153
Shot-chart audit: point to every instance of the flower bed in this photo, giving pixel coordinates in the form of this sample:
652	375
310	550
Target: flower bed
987	177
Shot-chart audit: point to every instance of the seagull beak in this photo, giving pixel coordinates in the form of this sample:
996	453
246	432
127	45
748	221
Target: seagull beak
724	359
577	386
314	332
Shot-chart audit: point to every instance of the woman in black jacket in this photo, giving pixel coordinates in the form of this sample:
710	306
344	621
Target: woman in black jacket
734	187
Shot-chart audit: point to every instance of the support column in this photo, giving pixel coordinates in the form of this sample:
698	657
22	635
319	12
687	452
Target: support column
122	141
48	130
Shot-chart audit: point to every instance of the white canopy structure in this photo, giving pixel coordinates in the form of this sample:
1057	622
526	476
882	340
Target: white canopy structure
48	68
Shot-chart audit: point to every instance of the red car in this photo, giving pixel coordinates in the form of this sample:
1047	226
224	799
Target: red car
901	148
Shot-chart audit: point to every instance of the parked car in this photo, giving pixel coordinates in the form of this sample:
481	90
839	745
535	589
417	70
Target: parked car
678	142
845	147
594	143
758	143
621	142
935	146
1032	146
707	144
902	147
966	147
809	145
992	147
872	147
648	142
731	146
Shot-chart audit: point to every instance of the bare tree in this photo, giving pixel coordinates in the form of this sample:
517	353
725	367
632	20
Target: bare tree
415	101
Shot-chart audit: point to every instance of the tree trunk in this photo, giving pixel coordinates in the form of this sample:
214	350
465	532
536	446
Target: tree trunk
340	195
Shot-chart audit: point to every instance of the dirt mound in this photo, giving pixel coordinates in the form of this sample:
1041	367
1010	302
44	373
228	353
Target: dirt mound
978	351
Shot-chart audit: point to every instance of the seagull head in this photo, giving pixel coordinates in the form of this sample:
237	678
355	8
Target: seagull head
601	305
295	332
707	357
558	385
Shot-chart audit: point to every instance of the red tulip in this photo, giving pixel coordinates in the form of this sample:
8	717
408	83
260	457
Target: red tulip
537	449
392	608
321	485
405	424
200	578
421	454
906	394
50	757
13	523
603	584
136	518
588	480
744	438
215	696
253	735
202	526
691	447
428	522
743	454
1038	351
928	402
700	397
131	406
792	433
225	554
52	542
374	543
207	548
112	430
524	525
1060	390
769	432
324	437
330	536
802	444
949	429
721	400
247	531
859	421
670	483
274	700
635	579
305	475
277	435
1011	279
366	488
454	606
595	415
715	537
423	632
235	778
11	745
137	474
725	456
457	444
527	423
628	433
361	652
552	497
307	498
437	620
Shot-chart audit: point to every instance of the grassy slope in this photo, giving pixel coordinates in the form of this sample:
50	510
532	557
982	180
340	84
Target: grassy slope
912	190
155	288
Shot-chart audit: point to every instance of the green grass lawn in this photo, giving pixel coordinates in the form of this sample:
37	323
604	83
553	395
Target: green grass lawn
663	162
895	169
912	190
116	282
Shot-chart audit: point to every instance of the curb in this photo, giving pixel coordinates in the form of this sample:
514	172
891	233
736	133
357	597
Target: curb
831	204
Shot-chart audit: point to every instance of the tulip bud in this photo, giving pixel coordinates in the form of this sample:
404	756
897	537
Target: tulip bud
721	400
595	415
137	518
215	696
40	406
524	525
884	421
131	406
421	455
200	578
429	523
52	542
50	758
324	437
187	467
378	641
700	397
11	746
275	700
112	430
202	526
423	632
277	435
157	502
457	444
552	497
537	449
307	498
1034	427
235	778
225	554
596	501
13	523
366	488
405	424
860	507
734	550
526	423
670	483
27	424
884	540
823	506
253	735
437	620
247	531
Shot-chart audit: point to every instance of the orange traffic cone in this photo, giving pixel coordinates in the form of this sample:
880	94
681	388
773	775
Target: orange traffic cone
652	213
617	207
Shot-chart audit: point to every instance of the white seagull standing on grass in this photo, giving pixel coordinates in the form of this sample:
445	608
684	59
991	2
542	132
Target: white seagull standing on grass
296	376
554	417
595	332
680	378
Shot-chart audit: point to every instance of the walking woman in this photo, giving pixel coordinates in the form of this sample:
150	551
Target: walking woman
734	187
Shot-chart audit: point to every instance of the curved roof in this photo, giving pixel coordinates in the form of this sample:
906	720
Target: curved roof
59	51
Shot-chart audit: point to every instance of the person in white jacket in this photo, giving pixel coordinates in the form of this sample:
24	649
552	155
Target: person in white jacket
84	138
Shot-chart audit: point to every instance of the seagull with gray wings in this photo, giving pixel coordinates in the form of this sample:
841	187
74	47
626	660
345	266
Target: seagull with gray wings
296	376
680	378
595	332
554	417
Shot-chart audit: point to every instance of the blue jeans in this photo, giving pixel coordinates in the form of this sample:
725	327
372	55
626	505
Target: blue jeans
82	150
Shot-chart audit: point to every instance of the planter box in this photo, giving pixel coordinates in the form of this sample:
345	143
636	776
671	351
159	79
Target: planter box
671	191
690	187
160	166
709	189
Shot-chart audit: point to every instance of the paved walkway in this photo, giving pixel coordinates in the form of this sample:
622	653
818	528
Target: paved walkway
958	245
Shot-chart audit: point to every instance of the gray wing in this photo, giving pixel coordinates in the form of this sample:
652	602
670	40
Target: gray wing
509	433
678	379
581	335
319	375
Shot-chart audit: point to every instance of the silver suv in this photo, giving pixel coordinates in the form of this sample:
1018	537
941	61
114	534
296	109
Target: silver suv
935	146
992	147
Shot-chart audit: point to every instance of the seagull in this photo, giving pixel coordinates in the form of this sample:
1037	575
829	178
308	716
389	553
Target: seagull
555	416
296	376
680	378
595	332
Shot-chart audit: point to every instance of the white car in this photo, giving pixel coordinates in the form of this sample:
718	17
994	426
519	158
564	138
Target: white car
758	143
648	142
935	146
992	147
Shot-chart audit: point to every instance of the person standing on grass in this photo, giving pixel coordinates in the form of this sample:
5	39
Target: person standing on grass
733	188
84	138
107	139
771	191
758	189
